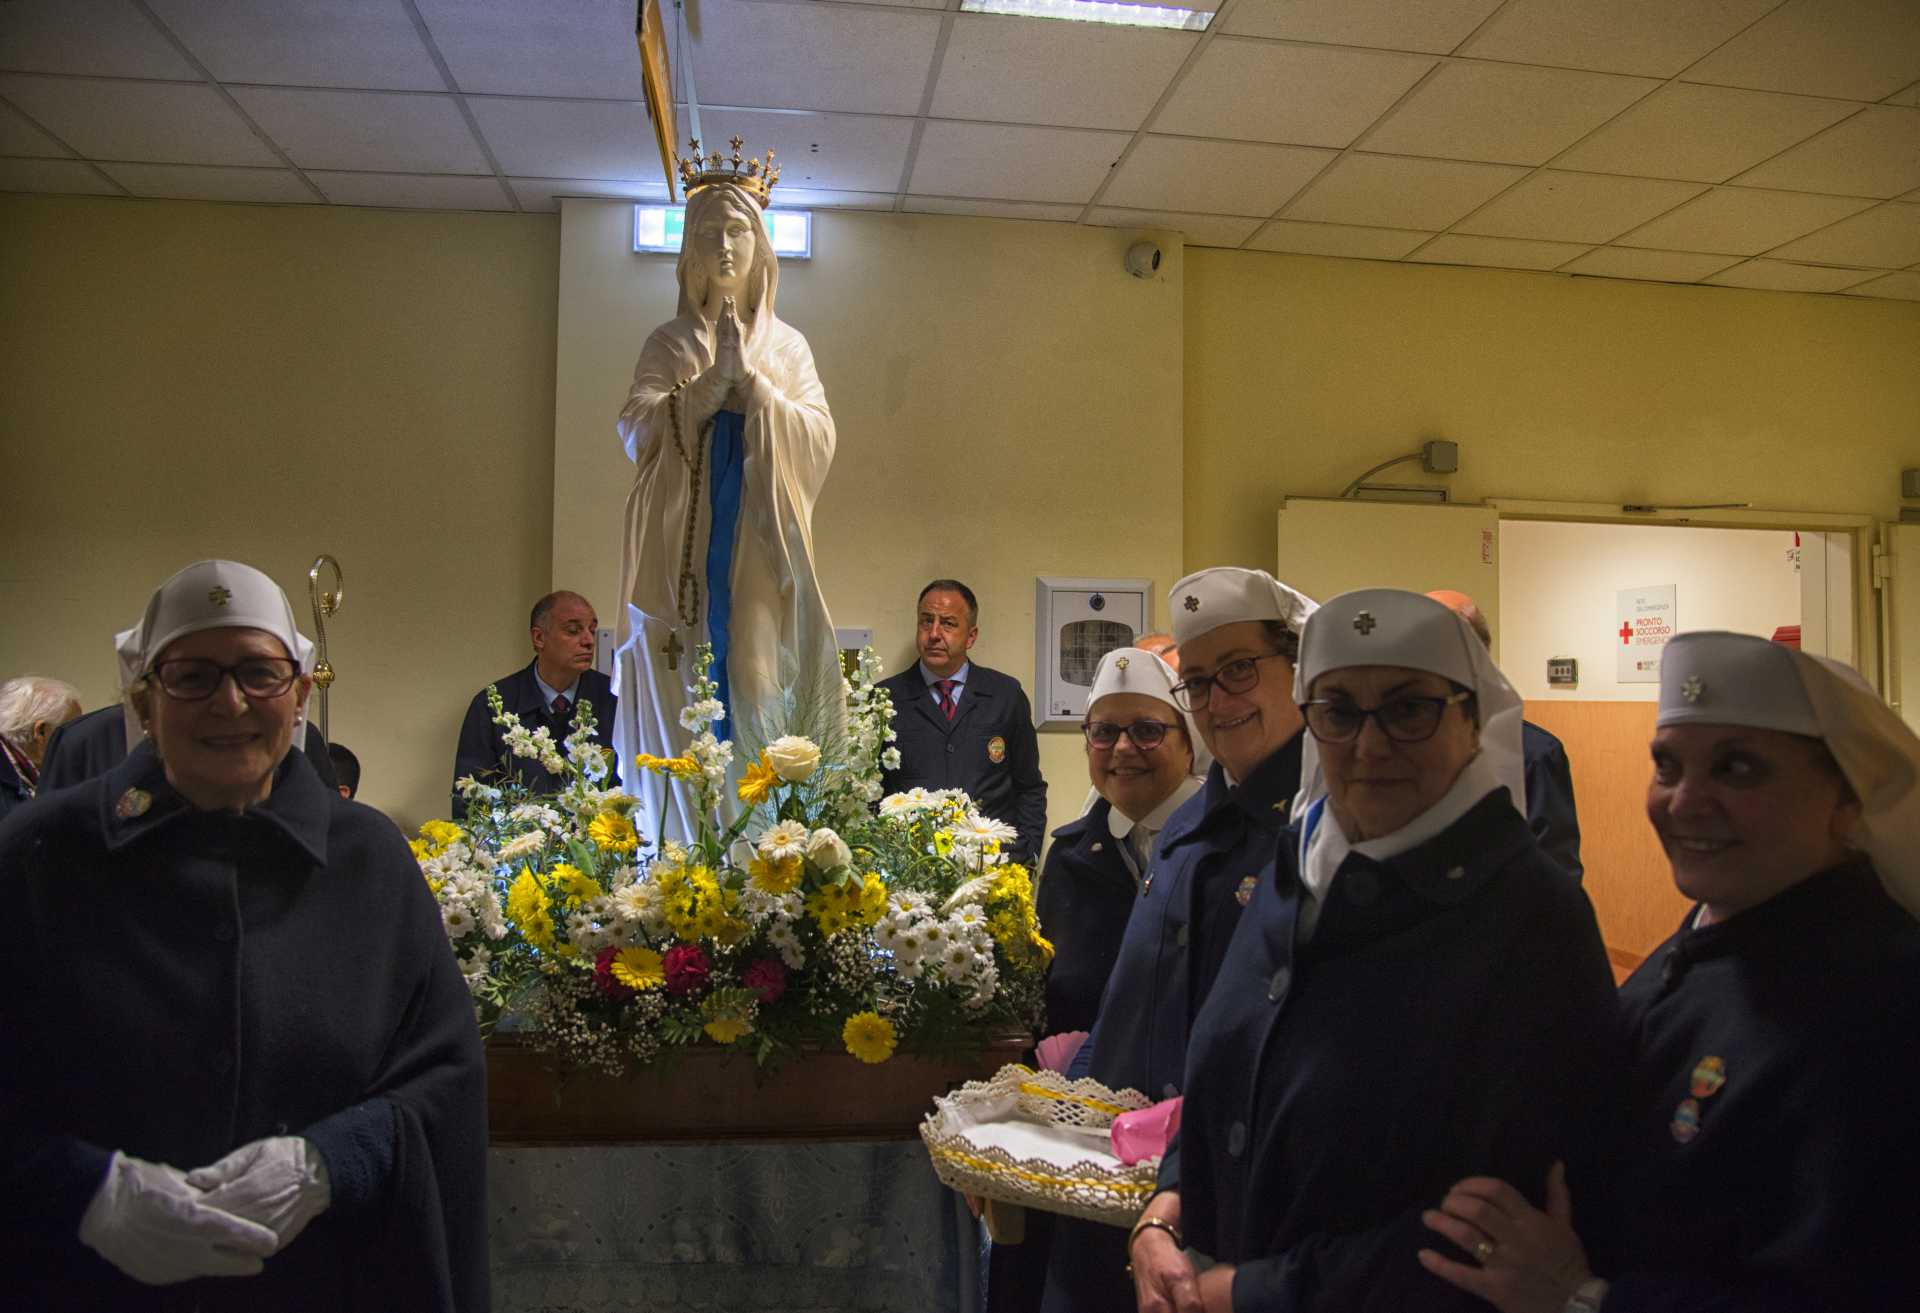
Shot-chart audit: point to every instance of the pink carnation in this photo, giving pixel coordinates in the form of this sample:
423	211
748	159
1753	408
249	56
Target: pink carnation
603	974
686	969
767	978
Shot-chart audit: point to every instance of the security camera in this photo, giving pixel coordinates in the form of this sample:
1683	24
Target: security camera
1143	259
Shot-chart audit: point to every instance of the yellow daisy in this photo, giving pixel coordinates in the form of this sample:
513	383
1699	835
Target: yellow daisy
638	968
613	832
759	781
868	1037
725	1030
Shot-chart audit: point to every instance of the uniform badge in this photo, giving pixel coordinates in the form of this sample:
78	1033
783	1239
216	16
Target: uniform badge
1192	603
1686	1121
132	803
996	749
1709	1074
219	594
1692	688
1244	894
1121	664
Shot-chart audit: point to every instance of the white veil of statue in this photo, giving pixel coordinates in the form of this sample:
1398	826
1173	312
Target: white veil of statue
729	432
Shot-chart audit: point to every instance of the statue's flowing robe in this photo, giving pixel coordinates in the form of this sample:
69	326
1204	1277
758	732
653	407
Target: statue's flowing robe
783	668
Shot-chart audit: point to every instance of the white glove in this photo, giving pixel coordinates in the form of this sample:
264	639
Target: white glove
280	1182
146	1220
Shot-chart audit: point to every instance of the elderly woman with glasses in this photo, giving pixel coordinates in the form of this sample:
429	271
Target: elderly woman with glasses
238	1062
1416	992
1770	1148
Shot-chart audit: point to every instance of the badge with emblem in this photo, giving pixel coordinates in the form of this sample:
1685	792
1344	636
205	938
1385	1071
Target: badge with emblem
996	749
219	594
1709	1074
132	803
1244	894
1686	1121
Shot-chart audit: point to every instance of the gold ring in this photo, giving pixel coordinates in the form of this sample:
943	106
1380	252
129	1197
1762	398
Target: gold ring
1483	1250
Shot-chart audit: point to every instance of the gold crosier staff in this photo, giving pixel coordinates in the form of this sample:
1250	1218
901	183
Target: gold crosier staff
325	603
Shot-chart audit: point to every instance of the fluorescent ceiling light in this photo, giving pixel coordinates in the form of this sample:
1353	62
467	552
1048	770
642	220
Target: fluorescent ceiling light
1096	11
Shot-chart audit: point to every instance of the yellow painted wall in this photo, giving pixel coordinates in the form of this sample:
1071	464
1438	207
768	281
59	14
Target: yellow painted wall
1301	372
1007	403
185	380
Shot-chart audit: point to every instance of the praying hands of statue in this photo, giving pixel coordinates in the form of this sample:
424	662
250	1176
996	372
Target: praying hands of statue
721	386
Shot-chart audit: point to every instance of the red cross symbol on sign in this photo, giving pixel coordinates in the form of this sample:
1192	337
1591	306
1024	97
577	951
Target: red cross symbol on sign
1626	631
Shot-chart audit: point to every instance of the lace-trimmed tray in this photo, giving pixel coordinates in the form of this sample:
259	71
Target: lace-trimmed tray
1037	1139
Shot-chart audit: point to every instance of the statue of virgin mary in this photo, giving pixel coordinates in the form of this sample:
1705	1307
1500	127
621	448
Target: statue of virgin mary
728	429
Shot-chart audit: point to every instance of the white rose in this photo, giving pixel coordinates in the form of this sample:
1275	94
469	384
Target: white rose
793	758
828	850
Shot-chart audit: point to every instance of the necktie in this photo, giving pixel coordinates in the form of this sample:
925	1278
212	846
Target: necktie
561	707
948	702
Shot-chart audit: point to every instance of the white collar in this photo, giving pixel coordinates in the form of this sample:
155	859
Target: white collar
1120	826
1327	845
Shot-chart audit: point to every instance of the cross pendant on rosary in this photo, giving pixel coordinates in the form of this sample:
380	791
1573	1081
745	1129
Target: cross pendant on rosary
673	649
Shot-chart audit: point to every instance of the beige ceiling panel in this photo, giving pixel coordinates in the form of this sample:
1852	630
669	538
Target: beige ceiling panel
813	56
1010	163
838	152
570	138
1904	287
993	209
1077	75
1577	207
1654	38
1854	49
895	4
1383	191
545	193
382	130
1706	134
412	191
106	38
203	182
1198	229
1737	221
1874	153
312	43
1257	91
806	198
1911	96
1885	237
1187	175
1647	266
1781	276
1502	113
158	122
18	136
1435	26
1497	252
1336	239
550	48
58	177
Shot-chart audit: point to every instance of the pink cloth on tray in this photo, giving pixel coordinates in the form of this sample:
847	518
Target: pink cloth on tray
1145	1134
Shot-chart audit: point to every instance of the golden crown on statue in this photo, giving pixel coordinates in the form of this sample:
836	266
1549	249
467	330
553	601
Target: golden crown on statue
754	177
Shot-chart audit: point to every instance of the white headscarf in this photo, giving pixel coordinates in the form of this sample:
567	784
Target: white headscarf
207	595
1389	627
1230	594
1136	670
1717	678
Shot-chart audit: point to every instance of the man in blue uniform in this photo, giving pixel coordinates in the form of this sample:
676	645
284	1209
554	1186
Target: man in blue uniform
1238	633
543	695
963	726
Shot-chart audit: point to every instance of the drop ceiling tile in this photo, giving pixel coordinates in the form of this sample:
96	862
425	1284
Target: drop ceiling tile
1885	237
1780	276
543	194
1903	287
162	122
1198	229
412	191
1705	134
1213	177
1911	96
201	182
1577	207
1874	153
315	43
812	56
384	130
1387	191
1497	252
1258	91
804	198
553	48
60	177
1000	162
1436	26
1503	113
1647	266
1080	75
104	38
1336	239
894	4
1738	221
1854	49
18	136
1912	196
837	152
992	209
569	138
1654	38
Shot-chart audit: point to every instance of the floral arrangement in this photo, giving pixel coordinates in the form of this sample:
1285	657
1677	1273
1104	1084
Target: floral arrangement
810	919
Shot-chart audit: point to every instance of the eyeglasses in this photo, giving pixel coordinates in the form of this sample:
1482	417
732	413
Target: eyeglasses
1409	718
1146	734
1235	677
195	679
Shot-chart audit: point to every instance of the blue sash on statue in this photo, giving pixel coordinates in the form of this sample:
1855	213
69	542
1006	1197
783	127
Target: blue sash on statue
723	500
